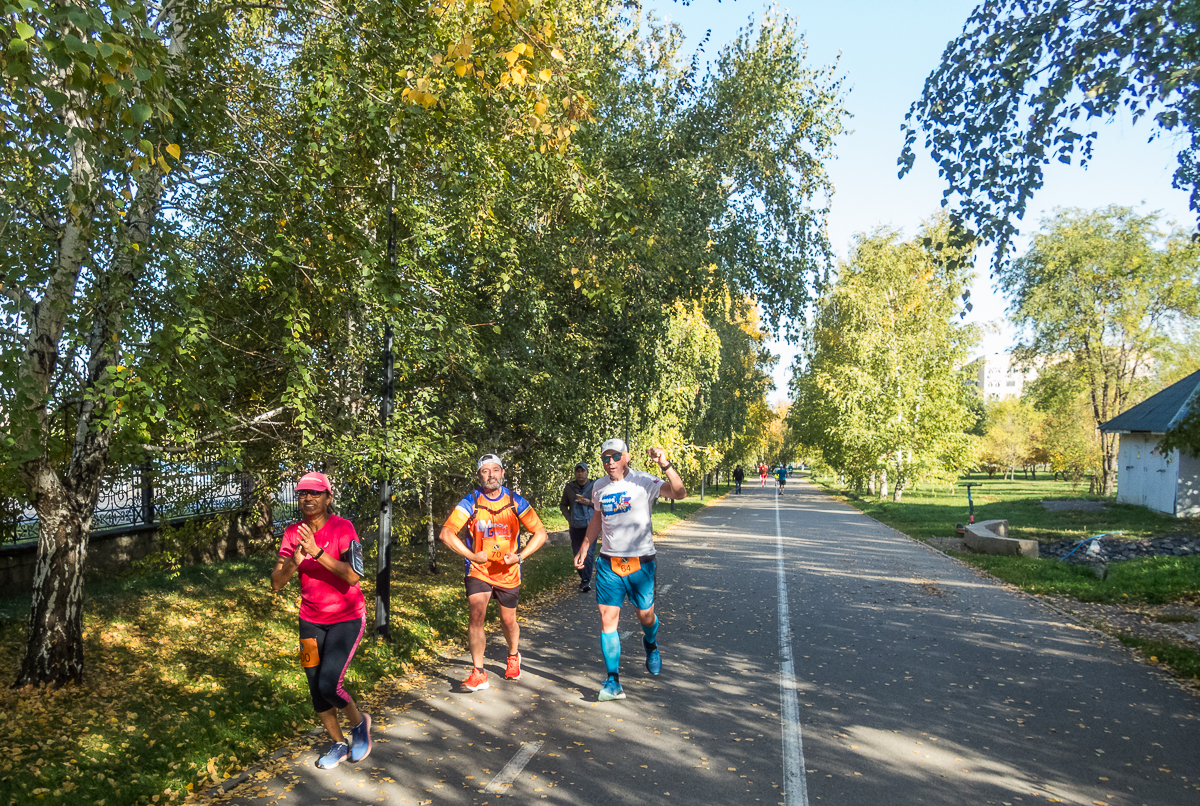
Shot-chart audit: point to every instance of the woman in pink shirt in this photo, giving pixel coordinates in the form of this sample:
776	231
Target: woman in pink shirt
325	550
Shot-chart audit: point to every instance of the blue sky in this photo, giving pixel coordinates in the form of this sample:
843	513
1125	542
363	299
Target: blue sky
886	50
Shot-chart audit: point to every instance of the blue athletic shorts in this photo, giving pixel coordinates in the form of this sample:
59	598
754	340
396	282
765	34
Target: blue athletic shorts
612	588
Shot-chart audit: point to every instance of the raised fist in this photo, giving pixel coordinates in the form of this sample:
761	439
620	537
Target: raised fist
658	456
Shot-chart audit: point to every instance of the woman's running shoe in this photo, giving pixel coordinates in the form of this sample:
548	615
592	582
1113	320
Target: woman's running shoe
336	755
360	739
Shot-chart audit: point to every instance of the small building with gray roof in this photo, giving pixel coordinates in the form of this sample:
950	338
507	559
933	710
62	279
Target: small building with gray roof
1164	482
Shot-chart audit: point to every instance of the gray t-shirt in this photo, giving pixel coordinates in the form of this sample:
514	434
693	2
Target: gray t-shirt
625	508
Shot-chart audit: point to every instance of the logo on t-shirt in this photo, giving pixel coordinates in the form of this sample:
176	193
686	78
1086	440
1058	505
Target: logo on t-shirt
614	503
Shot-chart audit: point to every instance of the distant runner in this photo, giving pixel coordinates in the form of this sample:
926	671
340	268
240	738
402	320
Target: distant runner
624	500
494	516
781	476
762	473
738	475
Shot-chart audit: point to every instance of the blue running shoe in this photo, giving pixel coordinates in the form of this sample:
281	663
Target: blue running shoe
360	739
611	690
336	755
653	659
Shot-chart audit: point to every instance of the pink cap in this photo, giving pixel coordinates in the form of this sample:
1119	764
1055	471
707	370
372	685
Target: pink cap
314	481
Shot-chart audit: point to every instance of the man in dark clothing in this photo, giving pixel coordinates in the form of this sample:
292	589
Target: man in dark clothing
576	507
738	475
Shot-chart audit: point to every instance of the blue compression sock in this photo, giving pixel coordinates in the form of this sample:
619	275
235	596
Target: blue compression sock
610	645
651	632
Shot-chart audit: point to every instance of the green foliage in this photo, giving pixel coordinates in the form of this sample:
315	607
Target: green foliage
570	229
1104	289
1025	83
1066	435
1009	439
878	390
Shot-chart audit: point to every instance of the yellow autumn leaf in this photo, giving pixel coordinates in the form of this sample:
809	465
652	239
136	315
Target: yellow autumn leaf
577	284
520	48
558	54
540	108
545	75
460	69
173	150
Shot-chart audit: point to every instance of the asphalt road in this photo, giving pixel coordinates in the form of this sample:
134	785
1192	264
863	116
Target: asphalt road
886	674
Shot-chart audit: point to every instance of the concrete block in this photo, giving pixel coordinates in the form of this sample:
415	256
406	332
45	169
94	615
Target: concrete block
991	537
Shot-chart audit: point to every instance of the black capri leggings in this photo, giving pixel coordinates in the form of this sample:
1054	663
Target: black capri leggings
325	653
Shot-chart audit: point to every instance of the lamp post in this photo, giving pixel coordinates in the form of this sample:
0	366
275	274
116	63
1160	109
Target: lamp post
383	572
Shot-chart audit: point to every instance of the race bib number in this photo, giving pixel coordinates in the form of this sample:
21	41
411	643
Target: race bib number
496	553
624	566
308	653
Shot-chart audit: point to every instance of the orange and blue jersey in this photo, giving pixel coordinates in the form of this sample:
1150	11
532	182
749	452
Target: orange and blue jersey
494	526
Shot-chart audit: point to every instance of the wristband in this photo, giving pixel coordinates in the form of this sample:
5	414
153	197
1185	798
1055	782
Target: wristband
668	466
318	555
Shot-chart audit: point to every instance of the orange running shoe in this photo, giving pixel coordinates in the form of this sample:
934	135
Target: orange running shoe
513	670
477	681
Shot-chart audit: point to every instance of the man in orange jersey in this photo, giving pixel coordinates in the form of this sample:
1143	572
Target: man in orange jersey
493	515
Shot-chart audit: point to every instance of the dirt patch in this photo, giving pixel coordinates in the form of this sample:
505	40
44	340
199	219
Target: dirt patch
946	543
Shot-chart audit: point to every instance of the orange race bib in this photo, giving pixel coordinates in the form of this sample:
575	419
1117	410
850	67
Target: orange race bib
308	653
496	553
624	566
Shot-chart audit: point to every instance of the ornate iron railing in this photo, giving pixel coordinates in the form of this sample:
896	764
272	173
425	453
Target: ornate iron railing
147	495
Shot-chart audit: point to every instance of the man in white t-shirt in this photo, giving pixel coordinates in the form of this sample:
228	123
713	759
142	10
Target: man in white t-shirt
624	500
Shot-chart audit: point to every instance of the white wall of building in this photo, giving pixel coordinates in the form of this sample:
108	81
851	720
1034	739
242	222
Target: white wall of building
1187	494
1144	476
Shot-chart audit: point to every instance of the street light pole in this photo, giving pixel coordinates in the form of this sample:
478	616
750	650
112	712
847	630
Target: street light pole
383	573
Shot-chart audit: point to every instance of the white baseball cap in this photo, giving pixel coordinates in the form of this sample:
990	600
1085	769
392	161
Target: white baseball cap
489	458
614	444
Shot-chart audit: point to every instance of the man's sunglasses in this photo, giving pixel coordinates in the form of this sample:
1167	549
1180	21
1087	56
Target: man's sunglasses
309	493
609	458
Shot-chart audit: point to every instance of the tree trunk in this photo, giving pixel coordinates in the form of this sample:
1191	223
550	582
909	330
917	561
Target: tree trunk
883	484
54	652
1108	443
429	535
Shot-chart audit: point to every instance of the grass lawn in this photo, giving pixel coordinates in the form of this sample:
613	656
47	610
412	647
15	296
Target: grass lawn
1147	580
192	674
933	510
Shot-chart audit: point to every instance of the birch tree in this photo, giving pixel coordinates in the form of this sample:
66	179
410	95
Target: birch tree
879	391
1103	289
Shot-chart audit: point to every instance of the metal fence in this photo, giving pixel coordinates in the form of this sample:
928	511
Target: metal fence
157	492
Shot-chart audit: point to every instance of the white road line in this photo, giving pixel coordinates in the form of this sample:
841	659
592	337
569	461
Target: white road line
666	587
625	634
794	781
513	768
